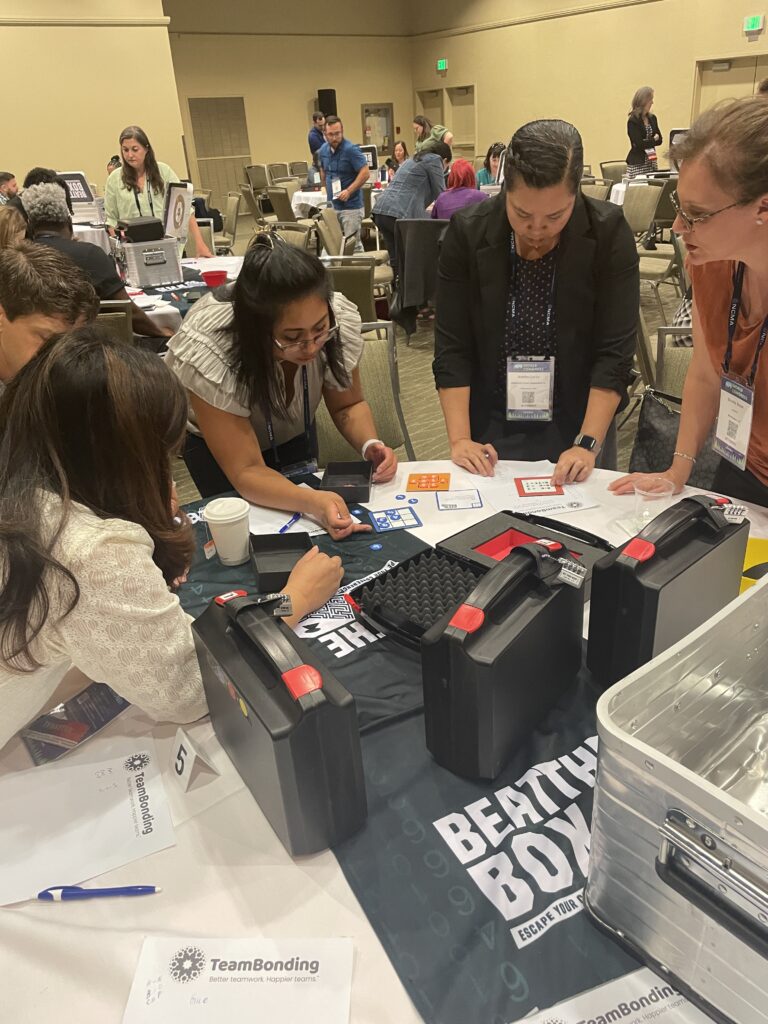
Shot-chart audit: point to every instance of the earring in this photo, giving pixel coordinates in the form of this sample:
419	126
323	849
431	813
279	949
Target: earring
759	221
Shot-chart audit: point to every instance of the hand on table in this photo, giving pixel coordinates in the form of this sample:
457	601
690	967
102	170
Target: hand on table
203	253
574	466
626	484
477	458
384	462
314	579
334	516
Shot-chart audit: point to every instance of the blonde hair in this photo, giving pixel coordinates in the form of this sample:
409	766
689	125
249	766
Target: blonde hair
733	139
639	102
12	226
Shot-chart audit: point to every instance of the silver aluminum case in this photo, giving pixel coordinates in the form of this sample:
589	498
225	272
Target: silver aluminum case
152	264
689	732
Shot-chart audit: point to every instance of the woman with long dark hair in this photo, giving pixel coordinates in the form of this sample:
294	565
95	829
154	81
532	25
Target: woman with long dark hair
488	172
398	158
644	134
90	547
137	188
257	357
428	134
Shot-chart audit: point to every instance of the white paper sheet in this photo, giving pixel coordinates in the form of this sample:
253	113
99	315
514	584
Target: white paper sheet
502	490
63	824
269	520
641	997
293	981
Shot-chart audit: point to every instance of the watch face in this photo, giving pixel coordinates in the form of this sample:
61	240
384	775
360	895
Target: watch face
585	441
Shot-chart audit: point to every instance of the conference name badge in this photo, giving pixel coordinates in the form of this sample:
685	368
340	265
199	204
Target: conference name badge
530	389
734	421
335	186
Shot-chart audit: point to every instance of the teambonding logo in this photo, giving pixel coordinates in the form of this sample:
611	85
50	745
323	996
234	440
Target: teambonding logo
136	762
187	964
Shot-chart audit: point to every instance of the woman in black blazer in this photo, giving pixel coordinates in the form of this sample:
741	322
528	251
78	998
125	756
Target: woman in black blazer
644	134
543	284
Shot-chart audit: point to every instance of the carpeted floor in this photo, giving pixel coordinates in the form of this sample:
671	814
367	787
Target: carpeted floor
422	407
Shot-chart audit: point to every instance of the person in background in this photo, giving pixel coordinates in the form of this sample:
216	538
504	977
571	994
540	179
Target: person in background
415	187
8	186
644	134
42	293
257	358
428	134
344	170
722	215
462	191
50	224
538	278
487	173
137	188
398	158
13	227
91	548
114	163
316	136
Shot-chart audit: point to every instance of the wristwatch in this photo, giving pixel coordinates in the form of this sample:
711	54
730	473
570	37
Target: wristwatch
585	441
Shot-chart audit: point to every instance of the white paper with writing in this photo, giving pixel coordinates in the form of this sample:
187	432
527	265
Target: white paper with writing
250	979
65	823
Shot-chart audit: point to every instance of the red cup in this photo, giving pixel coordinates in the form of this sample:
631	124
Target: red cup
214	278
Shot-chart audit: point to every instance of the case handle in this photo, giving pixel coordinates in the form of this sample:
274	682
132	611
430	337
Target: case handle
686	511
704	871
272	639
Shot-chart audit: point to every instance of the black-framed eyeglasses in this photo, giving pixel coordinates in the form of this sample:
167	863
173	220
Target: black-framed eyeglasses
691	222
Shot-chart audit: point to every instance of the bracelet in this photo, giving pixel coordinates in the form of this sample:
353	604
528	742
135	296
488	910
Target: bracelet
368	443
682	455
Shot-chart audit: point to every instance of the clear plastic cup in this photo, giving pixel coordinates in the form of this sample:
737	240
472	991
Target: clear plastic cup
227	519
652	497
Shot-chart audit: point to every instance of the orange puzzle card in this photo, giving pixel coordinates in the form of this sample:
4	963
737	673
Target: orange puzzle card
429	482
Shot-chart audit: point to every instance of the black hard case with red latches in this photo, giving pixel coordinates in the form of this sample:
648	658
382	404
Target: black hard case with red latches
646	595
288	725
493	668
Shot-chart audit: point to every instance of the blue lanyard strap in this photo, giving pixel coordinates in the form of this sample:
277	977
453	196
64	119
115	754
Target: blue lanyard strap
733	316
307	421
549	318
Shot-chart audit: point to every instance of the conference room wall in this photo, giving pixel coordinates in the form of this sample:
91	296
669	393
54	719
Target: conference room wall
278	79
297	18
583	67
75	74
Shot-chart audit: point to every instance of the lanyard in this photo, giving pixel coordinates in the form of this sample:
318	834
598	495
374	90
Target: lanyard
307	437
733	316
513	305
148	190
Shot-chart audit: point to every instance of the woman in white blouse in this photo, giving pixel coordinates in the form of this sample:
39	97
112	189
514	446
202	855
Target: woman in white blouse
89	546
256	358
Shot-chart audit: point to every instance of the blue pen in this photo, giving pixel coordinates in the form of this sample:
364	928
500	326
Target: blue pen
294	519
77	892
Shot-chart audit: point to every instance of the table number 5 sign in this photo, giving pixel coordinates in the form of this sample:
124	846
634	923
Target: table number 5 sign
187	761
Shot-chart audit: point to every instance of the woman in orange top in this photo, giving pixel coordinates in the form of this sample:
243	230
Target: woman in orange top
722	215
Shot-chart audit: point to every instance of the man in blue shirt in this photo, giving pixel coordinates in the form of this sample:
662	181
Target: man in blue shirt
344	170
315	138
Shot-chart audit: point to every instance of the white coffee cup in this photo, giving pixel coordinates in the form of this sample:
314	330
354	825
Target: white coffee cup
227	519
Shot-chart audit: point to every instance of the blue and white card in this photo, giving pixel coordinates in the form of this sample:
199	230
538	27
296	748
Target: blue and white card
452	501
389	519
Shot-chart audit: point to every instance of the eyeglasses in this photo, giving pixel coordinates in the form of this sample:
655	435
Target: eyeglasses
331	334
691	222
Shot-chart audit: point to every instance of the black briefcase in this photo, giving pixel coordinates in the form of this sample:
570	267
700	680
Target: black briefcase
658	587
142	229
288	725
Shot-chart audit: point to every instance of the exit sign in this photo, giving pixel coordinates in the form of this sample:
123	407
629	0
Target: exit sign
442	64
755	23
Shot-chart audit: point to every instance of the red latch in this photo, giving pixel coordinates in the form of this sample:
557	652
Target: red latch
302	680
230	596
352	603
722	501
640	550
468	618
550	545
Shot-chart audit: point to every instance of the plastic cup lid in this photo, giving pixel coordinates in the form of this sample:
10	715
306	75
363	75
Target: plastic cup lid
225	510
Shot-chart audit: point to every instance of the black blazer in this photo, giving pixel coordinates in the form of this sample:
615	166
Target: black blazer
638	141
596	307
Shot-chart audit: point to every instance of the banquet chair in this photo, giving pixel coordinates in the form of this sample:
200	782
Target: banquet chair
613	170
640	203
258	176
206	233
329	226
116	316
280	199
644	352
202	193
369	224
381	388
354	278
294	233
418	249
595	190
300	168
260	220
226	239
672	362
277	170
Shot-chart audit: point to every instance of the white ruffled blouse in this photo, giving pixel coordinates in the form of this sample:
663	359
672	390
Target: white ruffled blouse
200	354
